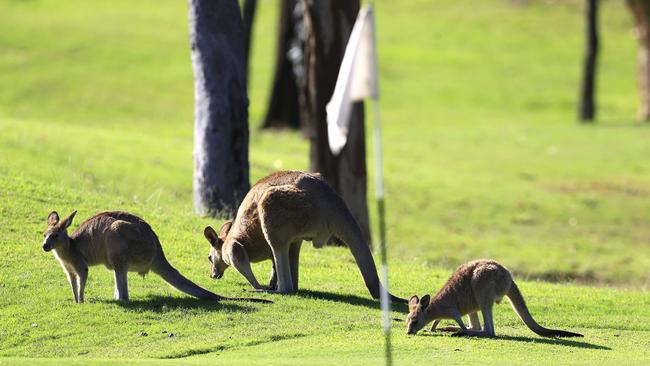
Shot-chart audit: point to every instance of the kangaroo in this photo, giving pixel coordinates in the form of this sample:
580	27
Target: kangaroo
120	241
474	286
278	213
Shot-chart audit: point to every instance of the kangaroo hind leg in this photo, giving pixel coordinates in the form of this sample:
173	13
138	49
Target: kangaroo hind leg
284	213
273	281
121	285
82	276
294	262
118	257
283	268
474	322
484	295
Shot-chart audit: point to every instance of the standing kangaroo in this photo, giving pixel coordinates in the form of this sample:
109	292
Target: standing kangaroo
278	213
120	241
474	286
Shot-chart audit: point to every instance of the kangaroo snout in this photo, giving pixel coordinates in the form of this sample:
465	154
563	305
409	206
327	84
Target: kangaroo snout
46	247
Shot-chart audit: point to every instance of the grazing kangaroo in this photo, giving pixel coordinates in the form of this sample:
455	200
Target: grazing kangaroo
474	286
278	213
120	241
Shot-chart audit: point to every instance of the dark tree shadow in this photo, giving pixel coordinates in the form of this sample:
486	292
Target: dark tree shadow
162	304
554	341
349	299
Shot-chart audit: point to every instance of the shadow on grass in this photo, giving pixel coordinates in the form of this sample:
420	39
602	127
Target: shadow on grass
163	304
556	341
349	299
221	348
553	341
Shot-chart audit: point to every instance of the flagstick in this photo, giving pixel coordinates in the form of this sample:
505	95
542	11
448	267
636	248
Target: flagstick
379	187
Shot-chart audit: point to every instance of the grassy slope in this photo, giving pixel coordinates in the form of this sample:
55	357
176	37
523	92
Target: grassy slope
95	113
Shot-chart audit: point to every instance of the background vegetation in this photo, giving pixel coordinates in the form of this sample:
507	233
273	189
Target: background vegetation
484	158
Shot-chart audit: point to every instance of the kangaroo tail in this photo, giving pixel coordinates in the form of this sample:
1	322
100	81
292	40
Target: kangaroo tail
161	267
350	233
519	306
248	299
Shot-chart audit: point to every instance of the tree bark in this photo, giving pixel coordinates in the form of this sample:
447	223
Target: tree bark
328	24
587	93
641	11
283	105
221	170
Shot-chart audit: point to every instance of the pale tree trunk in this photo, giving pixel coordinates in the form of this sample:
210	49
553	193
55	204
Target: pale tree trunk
327	24
221	106
588	90
641	12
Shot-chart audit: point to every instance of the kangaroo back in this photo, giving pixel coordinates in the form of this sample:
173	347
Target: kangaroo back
345	228
519	306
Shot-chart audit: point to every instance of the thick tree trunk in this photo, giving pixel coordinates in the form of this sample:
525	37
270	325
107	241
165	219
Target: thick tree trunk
587	93
221	106
328	24
641	12
283	105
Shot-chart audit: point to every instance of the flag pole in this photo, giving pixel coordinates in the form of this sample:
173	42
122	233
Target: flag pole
379	187
356	82
384	297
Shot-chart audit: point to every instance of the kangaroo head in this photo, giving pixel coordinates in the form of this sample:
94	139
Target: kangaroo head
217	264
415	320
56	235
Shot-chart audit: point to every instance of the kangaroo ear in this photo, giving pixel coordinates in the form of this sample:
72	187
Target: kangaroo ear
225	228
211	235
424	301
413	303
52	218
68	219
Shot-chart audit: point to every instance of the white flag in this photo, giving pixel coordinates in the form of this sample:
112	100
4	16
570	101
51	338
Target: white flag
357	79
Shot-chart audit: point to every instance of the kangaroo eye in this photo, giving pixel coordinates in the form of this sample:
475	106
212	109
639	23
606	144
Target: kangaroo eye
210	258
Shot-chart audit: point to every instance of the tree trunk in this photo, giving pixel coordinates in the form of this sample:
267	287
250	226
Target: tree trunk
283	105
641	12
587	97
328	24
221	107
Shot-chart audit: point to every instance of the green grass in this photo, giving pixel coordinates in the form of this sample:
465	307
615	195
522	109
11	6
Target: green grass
483	155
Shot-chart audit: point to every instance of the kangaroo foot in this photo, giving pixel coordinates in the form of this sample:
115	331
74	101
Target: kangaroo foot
447	329
471	333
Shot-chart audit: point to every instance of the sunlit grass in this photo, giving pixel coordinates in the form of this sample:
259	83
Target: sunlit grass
484	158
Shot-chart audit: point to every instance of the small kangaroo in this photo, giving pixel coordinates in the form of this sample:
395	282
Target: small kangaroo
120	241
474	286
278	213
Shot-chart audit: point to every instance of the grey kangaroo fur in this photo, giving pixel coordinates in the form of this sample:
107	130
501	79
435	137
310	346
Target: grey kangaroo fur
278	213
123	243
474	286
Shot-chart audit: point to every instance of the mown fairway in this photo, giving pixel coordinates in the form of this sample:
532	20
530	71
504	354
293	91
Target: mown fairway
483	159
